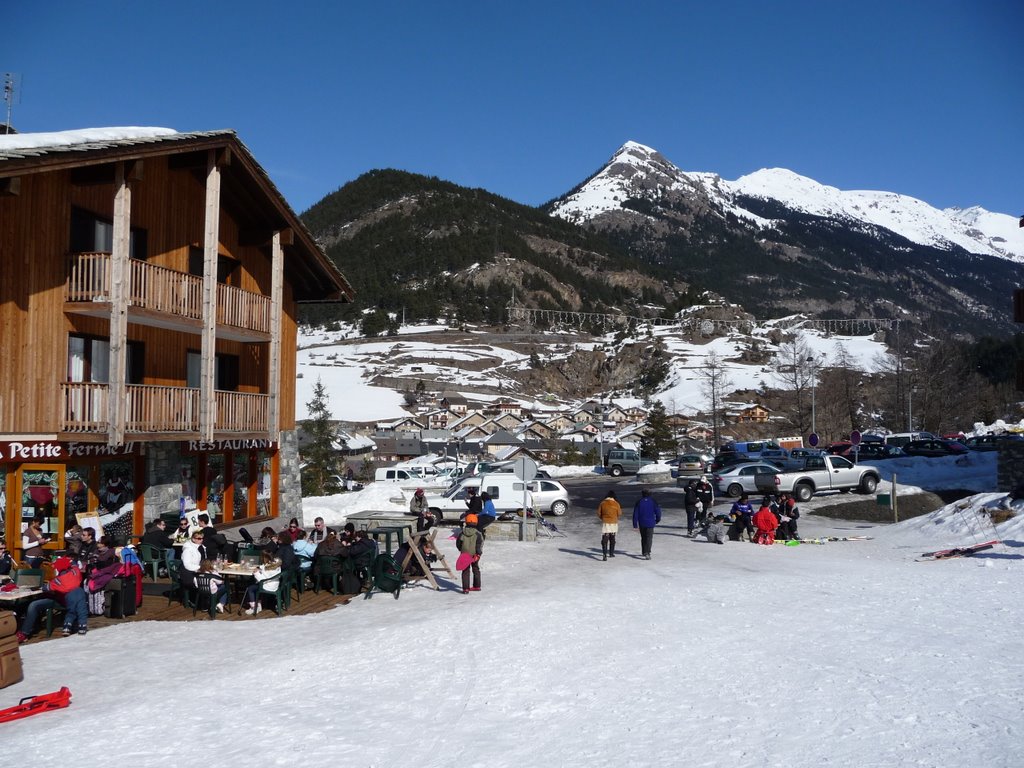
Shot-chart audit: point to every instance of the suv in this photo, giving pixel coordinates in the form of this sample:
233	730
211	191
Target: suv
623	461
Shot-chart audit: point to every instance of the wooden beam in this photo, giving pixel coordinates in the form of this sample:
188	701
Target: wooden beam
274	363
208	348
119	293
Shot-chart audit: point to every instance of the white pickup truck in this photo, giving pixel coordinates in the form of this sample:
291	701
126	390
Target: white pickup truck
819	473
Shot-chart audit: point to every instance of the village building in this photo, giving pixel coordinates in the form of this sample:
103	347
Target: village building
149	315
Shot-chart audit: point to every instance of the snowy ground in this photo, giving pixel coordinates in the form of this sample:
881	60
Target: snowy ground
843	654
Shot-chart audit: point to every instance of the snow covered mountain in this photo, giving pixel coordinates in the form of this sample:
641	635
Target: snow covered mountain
779	243
638	172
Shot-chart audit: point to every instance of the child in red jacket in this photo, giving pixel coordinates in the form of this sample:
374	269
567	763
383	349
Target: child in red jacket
765	523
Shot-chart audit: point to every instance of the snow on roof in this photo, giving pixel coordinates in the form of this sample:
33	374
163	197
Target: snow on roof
13	141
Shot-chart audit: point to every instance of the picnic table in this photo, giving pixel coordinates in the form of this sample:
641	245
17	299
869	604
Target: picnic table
387	531
417	541
19	596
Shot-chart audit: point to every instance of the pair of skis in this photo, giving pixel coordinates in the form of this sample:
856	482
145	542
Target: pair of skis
33	705
822	540
946	554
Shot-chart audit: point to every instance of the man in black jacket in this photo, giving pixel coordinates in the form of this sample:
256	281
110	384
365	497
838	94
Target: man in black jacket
216	544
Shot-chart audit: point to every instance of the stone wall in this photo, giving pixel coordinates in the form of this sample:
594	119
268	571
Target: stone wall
290	483
1010	473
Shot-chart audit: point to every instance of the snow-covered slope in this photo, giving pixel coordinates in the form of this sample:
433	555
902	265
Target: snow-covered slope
637	171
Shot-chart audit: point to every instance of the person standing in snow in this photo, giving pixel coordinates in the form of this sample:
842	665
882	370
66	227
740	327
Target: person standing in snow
609	511
646	515
706	494
471	542
691	500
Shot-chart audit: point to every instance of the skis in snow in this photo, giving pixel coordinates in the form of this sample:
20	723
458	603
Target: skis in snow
946	554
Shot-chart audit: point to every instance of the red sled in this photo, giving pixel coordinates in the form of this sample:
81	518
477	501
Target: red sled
33	705
464	561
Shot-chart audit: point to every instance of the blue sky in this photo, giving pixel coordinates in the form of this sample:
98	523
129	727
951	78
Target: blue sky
526	99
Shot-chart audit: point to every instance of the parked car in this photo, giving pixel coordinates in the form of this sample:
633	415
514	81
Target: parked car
840	448
690	464
624	461
739	479
992	442
729	459
934	447
549	496
877	452
803	453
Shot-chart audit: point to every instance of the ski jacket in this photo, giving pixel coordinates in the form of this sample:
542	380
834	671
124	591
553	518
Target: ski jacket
705	493
609	511
765	520
66	581
646	513
470	541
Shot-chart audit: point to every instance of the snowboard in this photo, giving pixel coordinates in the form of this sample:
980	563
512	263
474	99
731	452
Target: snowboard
946	554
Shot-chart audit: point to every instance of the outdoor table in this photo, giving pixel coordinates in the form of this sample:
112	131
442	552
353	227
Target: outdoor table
387	531
417	540
235	574
20	596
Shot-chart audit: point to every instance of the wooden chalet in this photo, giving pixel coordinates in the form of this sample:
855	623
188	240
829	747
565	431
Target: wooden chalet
149	317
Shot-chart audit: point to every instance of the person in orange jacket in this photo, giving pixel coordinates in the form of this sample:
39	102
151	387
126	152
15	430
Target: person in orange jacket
609	511
765	523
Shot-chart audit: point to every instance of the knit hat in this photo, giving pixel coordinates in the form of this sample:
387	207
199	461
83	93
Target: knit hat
62	563
471	519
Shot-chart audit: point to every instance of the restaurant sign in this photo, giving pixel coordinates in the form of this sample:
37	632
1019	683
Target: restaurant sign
216	446
48	450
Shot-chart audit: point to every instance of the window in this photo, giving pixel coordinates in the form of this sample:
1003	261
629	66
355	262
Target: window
225	375
89	360
227	268
92	234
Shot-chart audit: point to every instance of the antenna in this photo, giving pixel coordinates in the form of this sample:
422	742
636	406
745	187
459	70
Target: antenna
11	88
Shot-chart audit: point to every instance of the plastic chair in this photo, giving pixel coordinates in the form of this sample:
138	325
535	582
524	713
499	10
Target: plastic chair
177	588
387	576
327	568
282	591
205	587
152	559
246	550
28	577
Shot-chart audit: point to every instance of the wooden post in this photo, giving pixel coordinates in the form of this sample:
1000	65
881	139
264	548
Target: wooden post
892	502
274	363
208	348
119	292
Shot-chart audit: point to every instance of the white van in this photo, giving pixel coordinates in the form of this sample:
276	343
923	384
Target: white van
395	475
506	491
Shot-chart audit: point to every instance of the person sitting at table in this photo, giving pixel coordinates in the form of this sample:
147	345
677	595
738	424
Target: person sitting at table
103	568
218	587
192	556
73	540
363	552
319	532
294	527
285	553
6	561
267	540
63	589
156	535
216	544
268	569
87	547
32	541
183	532
305	551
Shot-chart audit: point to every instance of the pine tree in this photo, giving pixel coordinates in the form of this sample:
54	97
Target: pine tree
659	438
319	455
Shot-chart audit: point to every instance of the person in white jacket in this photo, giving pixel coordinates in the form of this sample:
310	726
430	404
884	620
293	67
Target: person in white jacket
269	569
192	556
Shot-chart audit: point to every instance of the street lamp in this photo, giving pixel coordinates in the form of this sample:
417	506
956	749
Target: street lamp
815	367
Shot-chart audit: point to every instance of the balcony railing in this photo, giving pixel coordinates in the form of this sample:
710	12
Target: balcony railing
153	410
166	291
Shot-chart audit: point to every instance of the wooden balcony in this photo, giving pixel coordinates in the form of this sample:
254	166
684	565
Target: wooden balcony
165	298
168	412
